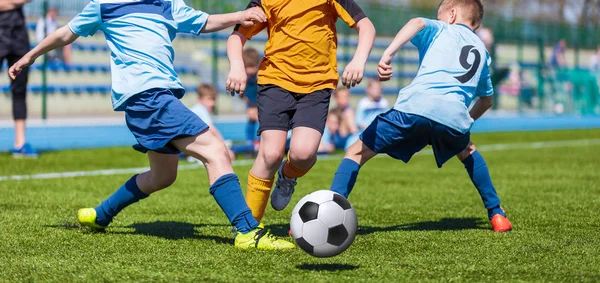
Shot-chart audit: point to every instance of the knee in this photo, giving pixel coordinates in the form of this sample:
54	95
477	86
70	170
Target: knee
467	151
272	157
219	154
302	156
162	181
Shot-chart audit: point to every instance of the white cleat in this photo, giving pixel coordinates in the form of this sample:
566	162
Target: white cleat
284	188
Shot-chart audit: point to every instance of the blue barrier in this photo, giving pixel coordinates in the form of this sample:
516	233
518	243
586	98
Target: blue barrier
105	89
47	138
93	68
78	89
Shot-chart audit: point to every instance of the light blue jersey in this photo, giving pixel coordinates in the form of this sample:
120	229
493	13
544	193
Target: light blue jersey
139	34
454	68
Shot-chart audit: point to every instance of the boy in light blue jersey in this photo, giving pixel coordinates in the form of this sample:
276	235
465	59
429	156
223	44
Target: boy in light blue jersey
146	87
433	109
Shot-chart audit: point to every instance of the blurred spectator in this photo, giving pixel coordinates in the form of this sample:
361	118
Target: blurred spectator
207	99
370	106
60	55
559	59
14	43
595	62
487	36
332	126
251	61
342	105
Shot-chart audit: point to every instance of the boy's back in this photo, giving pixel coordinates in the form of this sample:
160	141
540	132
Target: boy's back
139	34
453	70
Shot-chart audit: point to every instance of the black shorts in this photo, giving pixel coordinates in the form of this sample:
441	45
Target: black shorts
279	109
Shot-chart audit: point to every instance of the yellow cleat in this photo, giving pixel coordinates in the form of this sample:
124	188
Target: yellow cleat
87	217
260	238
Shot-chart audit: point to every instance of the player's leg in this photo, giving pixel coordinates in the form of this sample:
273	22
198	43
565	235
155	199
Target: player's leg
261	176
347	172
275	107
18	88
163	172
398	134
302	156
480	176
308	122
226	190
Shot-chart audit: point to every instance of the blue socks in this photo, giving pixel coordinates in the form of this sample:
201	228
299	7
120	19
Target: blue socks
345	177
228	194
127	194
478	171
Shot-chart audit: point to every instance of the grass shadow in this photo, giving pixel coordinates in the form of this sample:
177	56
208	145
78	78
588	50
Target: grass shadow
170	230
173	230
66	225
444	224
279	230
331	267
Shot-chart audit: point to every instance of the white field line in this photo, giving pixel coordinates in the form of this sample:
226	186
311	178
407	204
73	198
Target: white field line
484	148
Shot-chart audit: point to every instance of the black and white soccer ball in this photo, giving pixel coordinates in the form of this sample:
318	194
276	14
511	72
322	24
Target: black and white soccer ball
324	223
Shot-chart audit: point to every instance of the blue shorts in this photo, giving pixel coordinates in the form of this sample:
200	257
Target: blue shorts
401	135
155	117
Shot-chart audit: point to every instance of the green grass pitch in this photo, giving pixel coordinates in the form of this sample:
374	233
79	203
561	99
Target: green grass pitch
416	222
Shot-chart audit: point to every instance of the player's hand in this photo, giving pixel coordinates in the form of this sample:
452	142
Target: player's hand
384	69
353	74
252	16
18	67
236	81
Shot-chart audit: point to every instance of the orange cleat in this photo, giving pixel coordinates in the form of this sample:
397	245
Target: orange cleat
500	224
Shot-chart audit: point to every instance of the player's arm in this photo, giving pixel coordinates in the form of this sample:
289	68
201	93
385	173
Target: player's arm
484	91
245	18
237	78
354	71
412	28
481	106
7	5
61	37
354	17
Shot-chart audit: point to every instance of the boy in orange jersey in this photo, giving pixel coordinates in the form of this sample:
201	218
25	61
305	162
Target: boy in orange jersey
295	80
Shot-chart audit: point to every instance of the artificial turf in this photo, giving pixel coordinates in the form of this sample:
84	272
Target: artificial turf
416	222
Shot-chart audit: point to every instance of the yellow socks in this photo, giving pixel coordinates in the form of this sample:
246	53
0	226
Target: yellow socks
290	171
257	195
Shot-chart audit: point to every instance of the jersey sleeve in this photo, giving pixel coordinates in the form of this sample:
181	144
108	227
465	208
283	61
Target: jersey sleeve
88	21
188	19
348	11
251	31
424	38
484	87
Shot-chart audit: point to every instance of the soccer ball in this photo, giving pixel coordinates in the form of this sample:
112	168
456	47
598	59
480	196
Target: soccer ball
323	224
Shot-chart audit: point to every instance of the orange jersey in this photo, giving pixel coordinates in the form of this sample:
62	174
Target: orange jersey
300	54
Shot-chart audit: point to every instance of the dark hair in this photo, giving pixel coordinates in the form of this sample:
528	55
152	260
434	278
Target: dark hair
474	8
